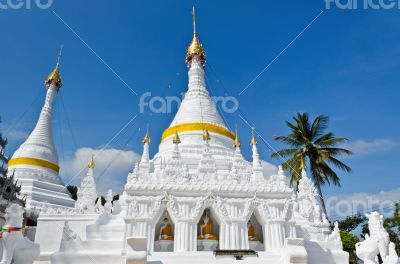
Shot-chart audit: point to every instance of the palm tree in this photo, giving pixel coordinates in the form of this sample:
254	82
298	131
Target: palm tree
311	144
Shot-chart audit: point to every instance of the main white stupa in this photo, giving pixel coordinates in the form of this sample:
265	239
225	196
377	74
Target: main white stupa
196	195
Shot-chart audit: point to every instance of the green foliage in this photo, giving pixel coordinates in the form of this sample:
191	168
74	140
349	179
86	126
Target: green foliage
349	245
392	226
352	222
309	143
73	190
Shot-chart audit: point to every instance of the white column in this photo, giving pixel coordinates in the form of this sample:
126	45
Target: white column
290	229
143	229
233	235
185	236
274	235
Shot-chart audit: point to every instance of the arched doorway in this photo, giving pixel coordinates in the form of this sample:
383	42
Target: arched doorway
164	234
207	232
255	234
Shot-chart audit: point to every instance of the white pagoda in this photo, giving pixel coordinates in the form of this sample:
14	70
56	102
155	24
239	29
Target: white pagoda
35	163
198	194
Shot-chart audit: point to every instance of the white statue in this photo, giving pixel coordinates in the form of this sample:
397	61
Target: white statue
16	248
117	208
165	230
376	243
98	208
206	228
335	235
393	258
108	205
70	241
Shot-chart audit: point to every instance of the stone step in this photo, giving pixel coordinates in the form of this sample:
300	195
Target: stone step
109	246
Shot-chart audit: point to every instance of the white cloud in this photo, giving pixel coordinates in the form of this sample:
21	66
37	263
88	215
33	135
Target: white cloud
342	205
269	168
362	147
111	170
17	134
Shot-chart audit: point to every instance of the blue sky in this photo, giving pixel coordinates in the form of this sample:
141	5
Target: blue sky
344	65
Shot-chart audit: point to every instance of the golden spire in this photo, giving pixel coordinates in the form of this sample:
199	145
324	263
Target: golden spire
253	138
195	48
206	135
54	76
146	138
91	164
176	140
237	141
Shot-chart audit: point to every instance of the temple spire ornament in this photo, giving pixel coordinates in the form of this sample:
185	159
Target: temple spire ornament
195	48
146	138
176	140
54	77
257	168
194	20
206	135
237	143
253	141
144	165
91	164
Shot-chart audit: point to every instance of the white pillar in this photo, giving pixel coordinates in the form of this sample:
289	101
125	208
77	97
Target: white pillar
143	229
274	235
233	235
185	236
290	229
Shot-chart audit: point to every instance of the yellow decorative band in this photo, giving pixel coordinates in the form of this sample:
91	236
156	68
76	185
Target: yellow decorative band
197	127
34	162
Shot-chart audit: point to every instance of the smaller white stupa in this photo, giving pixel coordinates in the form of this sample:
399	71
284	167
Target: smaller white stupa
87	193
35	163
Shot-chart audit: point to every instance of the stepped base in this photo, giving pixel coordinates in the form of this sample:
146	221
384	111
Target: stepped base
159	257
41	194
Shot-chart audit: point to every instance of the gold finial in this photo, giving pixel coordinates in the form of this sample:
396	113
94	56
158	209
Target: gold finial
54	76
195	48
253	138
146	138
237	141
206	135
91	164
176	140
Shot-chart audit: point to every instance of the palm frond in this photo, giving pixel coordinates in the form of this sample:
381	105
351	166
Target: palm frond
336	151
329	140
289	140
339	164
319	125
283	153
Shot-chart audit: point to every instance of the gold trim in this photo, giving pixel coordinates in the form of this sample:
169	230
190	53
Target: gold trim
34	162
197	127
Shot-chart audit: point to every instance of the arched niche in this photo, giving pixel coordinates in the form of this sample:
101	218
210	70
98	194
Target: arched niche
255	234
164	234
207	231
